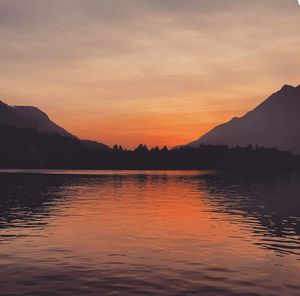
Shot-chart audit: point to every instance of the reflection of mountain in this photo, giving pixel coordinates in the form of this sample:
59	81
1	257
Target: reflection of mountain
273	200
27	200
268	204
274	123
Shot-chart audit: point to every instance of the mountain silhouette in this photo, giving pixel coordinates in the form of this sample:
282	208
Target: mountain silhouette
274	123
29	117
32	117
93	145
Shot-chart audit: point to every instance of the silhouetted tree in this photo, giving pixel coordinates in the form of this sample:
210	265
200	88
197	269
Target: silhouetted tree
27	148
155	149
165	149
142	148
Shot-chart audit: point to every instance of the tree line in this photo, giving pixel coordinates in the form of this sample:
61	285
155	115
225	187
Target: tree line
27	148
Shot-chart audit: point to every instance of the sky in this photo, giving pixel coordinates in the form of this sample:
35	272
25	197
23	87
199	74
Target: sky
159	72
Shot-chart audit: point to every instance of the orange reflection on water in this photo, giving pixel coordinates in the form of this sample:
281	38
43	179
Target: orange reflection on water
154	224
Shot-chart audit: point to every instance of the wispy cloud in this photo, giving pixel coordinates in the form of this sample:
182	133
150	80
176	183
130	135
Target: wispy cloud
104	59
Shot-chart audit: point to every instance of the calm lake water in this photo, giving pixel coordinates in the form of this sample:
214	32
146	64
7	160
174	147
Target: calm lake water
149	233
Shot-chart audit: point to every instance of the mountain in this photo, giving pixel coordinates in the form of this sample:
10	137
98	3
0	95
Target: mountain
27	116
93	145
32	117
274	123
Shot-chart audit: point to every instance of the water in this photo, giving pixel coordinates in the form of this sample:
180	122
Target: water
149	233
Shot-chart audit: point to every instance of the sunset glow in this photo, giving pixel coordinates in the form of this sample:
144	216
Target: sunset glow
153	72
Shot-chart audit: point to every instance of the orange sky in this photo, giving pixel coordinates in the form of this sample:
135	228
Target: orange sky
151	71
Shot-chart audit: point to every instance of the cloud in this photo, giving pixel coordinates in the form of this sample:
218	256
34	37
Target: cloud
115	55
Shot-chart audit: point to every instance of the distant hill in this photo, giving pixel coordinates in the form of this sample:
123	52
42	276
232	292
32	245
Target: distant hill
31	117
93	145
28	148
27	117
274	123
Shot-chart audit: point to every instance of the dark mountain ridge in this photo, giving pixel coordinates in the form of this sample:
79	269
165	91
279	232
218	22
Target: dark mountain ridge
31	117
274	123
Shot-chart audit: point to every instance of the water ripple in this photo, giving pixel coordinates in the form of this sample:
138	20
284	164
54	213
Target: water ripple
149	233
